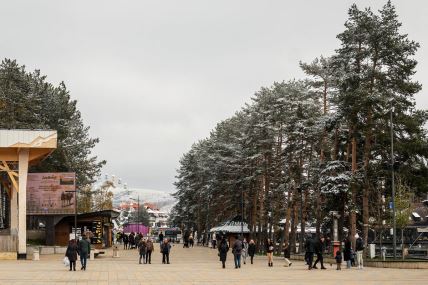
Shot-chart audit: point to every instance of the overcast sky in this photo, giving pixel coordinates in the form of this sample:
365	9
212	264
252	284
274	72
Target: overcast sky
152	77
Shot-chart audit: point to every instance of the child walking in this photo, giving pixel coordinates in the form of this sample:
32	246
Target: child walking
338	258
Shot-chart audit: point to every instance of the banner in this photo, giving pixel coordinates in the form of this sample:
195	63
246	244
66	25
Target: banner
50	193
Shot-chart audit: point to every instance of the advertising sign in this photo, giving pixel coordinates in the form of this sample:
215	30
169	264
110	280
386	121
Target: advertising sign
97	230
50	193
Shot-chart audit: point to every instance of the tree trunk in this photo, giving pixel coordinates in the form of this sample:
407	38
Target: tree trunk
353	215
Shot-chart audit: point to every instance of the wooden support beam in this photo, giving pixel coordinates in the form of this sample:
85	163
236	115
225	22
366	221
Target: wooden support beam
2	168
11	176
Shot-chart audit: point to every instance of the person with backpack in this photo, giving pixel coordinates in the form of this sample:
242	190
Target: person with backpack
359	247
237	252
223	248
165	250
149	250
251	250
84	249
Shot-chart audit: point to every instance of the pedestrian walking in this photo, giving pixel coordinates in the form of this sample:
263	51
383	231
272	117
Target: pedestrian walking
118	237
191	241
338	258
137	240
223	248
131	239
319	250
186	239
84	249
165	250
287	255
269	252
251	250
244	250
359	247
309	251
149	250
214	241
237	252
142	249
125	241
160	238
71	254
347	252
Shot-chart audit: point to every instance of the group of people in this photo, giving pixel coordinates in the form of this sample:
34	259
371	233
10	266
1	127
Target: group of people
314	246
130	241
349	255
317	246
241	249
80	248
145	249
188	240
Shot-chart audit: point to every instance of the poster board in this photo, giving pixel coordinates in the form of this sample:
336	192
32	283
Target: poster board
51	193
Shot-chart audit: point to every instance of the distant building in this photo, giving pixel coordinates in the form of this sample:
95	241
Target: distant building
158	218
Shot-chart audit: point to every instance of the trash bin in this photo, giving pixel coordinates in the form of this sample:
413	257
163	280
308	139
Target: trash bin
383	252
36	254
115	251
372	250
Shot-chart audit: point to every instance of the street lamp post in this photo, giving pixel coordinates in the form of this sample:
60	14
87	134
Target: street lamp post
75	211
138	213
394	228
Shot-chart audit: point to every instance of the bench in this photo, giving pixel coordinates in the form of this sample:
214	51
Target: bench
95	253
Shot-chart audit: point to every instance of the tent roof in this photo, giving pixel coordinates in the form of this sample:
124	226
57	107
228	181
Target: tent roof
232	226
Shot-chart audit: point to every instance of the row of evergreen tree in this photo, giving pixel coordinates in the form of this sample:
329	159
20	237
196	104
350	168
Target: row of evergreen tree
28	101
304	148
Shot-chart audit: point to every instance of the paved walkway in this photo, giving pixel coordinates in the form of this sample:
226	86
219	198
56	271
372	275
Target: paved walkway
193	266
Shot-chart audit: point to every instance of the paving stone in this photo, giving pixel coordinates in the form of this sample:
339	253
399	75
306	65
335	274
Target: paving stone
198	265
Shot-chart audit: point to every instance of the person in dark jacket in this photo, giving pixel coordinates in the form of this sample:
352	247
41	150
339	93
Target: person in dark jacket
131	239
149	250
125	241
165	250
359	248
309	251
251	250
269	252
142	249
347	252
160	238
237	252
223	248
319	250
84	249
287	255
338	258
71	254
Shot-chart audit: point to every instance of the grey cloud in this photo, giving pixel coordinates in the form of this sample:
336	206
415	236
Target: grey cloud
160	74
